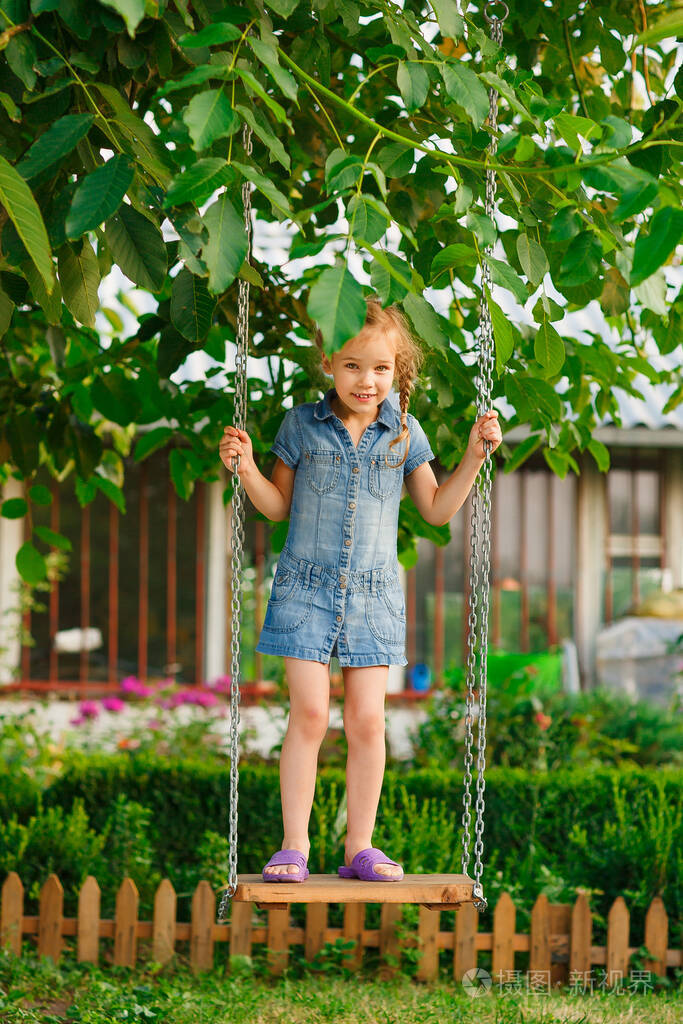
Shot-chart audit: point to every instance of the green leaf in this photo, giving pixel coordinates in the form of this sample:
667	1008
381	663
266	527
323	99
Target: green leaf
138	248
449	19
20	54
284	7
139	136
54	144
522	451
209	116
503	275
226	249
30	564
260	126
23	434
568	126
212	35
113	395
114	493
50	304
278	200
14	508
532	397
533	259
199	181
6	310
337	305
56	540
455	255
365	219
656	246
132	12
191	305
600	453
181	473
502	332
267	54
413	83
23	211
40	495
614	299
151	441
79	276
581	262
99	196
426	321
668	27
549	348
465	89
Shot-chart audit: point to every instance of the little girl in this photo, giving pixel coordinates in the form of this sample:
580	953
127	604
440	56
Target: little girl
341	463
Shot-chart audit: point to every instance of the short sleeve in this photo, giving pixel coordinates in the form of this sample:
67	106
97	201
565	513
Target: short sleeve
420	450
287	443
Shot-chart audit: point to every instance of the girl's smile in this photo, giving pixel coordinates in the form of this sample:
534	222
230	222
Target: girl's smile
363	372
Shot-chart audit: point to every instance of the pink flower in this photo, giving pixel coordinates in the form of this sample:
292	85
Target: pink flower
206	700
221	684
76	721
130	684
113	703
89	708
543	720
154	724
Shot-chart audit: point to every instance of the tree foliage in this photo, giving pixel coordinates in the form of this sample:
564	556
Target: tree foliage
121	144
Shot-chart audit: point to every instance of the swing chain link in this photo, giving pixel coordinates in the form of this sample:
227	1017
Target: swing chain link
237	526
481	509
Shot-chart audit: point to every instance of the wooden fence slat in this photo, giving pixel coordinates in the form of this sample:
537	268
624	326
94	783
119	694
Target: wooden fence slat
88	939
656	936
164	923
277	941
201	935
50	919
465	940
503	959
316	927
390	915
354	922
539	942
617	941
240	928
12	913
560	930
427	937
580	936
126	924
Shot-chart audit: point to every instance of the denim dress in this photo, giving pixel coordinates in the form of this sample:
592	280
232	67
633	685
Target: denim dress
336	589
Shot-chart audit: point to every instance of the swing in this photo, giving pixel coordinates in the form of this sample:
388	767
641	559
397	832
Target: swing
437	892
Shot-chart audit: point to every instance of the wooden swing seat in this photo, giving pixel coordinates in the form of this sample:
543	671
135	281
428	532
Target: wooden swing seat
437	892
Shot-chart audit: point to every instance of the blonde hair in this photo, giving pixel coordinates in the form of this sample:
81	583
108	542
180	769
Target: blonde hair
408	359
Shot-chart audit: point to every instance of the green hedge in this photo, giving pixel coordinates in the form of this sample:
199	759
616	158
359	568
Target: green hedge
610	831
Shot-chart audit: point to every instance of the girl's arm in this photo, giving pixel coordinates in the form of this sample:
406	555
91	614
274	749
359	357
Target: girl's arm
273	497
437	505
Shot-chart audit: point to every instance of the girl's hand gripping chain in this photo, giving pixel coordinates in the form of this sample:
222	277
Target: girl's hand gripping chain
488	429
237	442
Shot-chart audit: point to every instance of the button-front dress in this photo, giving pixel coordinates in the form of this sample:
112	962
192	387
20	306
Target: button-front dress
336	589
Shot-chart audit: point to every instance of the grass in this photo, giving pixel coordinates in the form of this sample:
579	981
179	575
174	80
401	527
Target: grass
34	989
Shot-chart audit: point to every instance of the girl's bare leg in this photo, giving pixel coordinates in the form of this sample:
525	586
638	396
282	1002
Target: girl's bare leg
364	690
309	716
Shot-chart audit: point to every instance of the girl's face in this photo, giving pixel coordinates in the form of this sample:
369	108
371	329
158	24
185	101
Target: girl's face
363	367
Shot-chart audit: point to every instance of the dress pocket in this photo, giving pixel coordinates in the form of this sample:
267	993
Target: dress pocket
385	476
284	582
323	468
385	612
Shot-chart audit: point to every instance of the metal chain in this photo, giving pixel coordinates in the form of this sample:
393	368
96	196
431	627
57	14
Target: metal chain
481	509
237	544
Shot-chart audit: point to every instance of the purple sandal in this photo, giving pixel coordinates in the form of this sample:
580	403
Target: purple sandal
362	867
287	857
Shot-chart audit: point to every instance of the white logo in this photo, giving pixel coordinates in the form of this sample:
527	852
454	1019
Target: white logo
476	982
